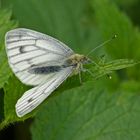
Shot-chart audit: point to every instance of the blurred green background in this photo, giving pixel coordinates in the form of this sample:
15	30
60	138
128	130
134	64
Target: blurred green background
100	109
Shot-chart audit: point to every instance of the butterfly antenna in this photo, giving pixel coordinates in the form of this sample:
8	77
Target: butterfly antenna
102	44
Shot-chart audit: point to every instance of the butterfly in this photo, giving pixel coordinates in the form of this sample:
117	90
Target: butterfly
41	61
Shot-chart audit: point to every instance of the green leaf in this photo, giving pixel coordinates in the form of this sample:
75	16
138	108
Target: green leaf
5	25
87	113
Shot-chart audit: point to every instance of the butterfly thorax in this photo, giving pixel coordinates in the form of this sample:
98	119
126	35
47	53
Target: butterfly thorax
77	60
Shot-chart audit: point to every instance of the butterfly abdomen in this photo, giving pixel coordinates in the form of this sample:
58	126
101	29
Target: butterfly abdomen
45	69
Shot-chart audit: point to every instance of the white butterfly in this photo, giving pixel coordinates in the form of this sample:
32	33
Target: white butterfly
41	61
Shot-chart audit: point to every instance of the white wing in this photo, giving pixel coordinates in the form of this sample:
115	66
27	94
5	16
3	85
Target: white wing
26	48
33	97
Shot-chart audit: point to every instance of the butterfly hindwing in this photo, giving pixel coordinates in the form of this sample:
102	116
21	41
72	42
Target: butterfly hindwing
33	97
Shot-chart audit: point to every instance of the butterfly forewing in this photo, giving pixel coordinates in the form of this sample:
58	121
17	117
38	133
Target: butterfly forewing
26	49
36	59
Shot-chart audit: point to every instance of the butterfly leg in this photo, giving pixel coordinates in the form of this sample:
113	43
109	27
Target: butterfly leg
80	78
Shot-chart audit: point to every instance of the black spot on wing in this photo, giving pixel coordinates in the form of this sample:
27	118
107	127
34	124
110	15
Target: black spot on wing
21	49
30	100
